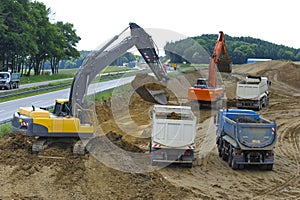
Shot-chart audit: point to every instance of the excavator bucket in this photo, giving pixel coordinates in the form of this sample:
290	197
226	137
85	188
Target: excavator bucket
224	64
150	89
153	96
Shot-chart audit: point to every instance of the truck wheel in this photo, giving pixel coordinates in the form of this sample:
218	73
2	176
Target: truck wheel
259	106
269	167
188	165
234	166
220	148
229	161
223	154
241	166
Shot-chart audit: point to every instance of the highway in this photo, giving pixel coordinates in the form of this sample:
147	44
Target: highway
45	100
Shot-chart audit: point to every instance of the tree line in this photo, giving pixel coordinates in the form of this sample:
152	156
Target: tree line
28	39
198	49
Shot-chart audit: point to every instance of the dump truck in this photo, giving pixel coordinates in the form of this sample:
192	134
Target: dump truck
245	138
173	135
9	80
253	92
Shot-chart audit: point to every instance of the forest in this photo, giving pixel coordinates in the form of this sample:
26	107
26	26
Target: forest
197	49
28	39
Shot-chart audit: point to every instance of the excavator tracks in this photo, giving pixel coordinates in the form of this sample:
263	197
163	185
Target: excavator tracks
39	145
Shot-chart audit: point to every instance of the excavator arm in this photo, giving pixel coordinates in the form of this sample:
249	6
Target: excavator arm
222	63
100	59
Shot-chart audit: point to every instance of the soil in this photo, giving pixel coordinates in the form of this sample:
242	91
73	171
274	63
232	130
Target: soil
57	174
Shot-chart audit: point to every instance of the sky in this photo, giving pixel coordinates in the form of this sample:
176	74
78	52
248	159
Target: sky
97	21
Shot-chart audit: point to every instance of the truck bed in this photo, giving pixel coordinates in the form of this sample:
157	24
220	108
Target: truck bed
248	129
173	126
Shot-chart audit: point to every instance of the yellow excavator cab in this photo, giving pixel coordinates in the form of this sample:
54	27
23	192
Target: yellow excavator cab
61	107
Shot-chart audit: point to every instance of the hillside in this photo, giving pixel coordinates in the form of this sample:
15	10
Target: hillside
238	48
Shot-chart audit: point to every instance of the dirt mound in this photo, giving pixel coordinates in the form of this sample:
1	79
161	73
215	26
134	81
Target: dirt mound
285	72
48	176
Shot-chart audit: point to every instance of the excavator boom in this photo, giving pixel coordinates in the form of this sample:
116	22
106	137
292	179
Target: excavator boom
223	63
100	59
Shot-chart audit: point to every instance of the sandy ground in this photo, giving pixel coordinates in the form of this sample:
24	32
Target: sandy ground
57	174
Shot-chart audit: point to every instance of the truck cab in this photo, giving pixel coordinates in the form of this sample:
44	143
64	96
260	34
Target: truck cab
9	80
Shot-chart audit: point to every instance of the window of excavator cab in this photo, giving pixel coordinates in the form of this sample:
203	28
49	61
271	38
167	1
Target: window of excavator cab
201	82
57	108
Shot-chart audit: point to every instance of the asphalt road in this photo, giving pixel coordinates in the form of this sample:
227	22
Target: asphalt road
7	109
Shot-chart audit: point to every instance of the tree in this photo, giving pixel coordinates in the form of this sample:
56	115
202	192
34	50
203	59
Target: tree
64	45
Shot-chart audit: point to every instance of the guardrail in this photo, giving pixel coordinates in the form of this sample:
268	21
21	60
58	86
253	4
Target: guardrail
5	121
35	90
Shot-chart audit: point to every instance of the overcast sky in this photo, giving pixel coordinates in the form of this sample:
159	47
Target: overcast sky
96	21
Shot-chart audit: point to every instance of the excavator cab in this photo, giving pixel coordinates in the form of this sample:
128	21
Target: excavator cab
201	83
61	107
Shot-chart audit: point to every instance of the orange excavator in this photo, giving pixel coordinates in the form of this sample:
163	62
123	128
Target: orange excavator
206	91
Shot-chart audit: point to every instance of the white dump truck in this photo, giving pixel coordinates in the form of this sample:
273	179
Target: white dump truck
253	92
9	80
173	135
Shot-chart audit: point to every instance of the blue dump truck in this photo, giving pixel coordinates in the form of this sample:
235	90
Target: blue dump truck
245	138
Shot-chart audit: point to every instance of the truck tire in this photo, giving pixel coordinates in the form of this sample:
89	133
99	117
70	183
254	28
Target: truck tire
241	166
219	148
188	165
223	154
231	160
259	106
269	167
234	166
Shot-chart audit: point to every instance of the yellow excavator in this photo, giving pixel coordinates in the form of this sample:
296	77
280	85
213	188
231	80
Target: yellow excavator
71	119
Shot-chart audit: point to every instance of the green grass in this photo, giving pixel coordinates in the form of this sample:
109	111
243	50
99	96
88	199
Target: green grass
66	73
5	128
41	78
111	69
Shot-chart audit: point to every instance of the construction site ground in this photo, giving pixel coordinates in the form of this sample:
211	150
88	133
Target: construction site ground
57	174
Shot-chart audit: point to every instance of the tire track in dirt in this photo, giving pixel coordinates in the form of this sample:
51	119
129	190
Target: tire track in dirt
287	136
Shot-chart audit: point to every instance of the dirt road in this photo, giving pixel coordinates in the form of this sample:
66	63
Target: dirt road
57	174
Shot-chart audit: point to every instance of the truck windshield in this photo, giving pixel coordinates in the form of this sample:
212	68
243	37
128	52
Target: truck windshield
3	76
